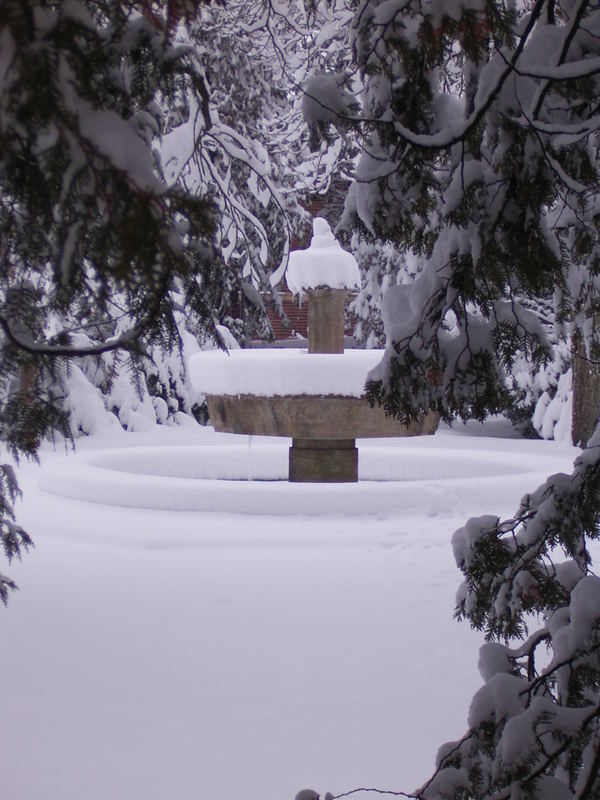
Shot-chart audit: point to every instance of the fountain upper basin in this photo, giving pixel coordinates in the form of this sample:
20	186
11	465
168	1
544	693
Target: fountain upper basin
272	372
292	393
309	417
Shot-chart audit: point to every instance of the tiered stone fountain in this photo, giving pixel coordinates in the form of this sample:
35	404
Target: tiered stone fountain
314	397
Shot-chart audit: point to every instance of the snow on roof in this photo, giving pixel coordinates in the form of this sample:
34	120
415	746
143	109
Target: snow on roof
323	264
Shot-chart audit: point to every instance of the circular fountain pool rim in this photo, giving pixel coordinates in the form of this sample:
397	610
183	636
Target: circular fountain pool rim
215	479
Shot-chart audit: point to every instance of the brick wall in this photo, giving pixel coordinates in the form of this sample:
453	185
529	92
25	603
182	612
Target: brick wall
297	314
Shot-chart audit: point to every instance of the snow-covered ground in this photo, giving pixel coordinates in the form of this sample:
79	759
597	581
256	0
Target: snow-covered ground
195	654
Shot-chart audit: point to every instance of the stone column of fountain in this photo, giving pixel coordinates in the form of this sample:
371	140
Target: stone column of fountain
325	273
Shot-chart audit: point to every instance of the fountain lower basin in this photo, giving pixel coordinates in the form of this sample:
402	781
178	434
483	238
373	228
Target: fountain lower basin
314	399
419	476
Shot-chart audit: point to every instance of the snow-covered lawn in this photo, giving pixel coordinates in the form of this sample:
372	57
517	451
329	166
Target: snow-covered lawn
224	656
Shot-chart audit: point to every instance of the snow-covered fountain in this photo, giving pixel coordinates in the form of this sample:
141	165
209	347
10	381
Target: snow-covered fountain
313	396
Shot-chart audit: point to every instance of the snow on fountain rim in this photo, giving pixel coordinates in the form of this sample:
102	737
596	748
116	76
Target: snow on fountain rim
406	477
273	372
325	264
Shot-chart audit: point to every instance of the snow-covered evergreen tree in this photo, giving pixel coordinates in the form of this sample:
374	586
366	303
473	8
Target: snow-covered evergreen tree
249	154
382	266
254	161
480	155
95	245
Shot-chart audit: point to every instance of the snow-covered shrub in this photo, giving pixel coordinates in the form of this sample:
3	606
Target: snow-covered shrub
84	403
542	396
382	265
135	393
534	727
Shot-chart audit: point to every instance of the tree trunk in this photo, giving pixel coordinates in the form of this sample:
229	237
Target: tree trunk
586	392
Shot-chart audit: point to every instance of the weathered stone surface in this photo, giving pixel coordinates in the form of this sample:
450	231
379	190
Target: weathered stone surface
323	461
309	417
326	320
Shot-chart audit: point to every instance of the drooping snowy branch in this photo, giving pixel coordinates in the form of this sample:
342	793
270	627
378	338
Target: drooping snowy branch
481	165
92	239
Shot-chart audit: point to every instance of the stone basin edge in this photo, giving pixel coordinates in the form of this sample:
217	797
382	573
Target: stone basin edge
309	416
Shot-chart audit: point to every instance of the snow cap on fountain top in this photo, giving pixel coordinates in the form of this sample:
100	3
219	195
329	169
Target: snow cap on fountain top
324	265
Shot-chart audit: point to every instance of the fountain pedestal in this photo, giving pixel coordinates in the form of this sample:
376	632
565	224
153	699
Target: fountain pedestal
323	461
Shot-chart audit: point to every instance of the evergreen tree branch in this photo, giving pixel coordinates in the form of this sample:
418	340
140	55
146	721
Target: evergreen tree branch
122	341
570	33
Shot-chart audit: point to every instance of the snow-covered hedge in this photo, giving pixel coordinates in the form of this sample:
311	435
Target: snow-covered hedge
118	391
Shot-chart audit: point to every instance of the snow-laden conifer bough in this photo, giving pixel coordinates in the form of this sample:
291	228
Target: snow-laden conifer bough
100	253
479	132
